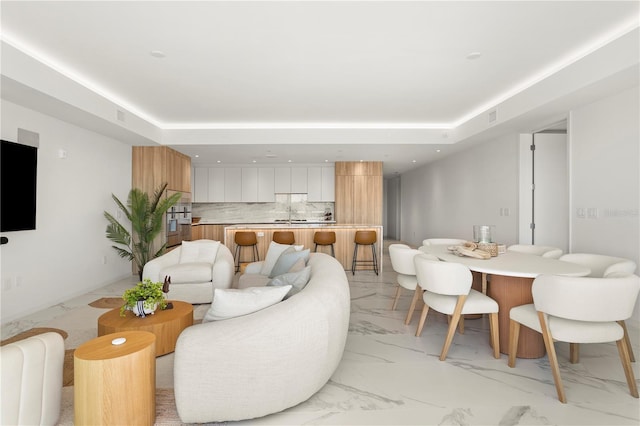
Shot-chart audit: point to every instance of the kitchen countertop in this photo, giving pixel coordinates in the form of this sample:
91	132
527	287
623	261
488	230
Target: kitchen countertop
300	225
293	222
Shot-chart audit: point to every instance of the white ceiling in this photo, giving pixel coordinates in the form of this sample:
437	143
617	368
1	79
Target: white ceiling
311	64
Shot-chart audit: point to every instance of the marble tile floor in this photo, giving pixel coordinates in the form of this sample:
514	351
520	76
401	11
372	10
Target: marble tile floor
390	377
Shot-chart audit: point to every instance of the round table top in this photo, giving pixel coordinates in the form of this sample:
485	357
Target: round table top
513	264
105	347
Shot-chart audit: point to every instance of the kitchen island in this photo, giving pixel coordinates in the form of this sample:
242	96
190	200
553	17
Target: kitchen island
304	232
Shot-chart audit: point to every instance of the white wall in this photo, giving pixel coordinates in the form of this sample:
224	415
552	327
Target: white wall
63	257
605	140
446	198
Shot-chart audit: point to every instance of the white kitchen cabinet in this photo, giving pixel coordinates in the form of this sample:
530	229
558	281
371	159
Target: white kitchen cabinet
266	185
299	180
232	184
321	184
249	184
216	185
282	179
200	185
328	184
314	184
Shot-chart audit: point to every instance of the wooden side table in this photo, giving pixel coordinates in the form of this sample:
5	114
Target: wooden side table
165	324
116	384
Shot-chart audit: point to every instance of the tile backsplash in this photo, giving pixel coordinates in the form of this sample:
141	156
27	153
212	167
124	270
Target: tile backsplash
262	212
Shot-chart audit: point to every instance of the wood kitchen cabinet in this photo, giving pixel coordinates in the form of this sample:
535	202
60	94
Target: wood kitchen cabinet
154	165
358	193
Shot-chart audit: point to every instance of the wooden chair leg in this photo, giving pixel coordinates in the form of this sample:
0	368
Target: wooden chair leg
553	359
484	283
416	295
574	353
423	317
495	334
395	299
626	365
461	325
455	318
514	336
627	341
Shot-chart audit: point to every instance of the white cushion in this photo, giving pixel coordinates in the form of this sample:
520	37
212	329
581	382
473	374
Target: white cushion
194	251
286	261
273	253
183	273
296	280
230	303
476	303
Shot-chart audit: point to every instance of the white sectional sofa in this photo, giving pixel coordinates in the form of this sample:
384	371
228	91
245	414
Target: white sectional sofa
266	361
194	271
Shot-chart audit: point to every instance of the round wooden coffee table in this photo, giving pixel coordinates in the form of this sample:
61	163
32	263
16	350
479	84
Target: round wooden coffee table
165	324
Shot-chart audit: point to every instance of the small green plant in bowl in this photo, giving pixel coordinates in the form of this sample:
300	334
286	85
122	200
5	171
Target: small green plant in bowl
147	292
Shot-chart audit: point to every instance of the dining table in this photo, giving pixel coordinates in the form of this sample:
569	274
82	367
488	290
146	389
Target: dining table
508	278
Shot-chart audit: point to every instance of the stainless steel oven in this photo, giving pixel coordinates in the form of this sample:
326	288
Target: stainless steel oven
179	220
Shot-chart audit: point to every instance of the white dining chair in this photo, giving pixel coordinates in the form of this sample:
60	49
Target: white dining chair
600	264
603	266
402	263
542	251
603	303
443	241
447	289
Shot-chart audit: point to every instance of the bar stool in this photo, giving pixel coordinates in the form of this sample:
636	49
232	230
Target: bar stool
324	238
365	238
245	239
284	237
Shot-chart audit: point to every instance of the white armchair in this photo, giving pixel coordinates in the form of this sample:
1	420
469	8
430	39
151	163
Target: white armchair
32	380
196	268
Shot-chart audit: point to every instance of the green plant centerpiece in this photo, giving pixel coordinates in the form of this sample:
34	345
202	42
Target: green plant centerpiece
146	216
148	292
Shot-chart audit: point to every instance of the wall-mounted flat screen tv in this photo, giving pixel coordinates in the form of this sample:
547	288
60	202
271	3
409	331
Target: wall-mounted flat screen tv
18	172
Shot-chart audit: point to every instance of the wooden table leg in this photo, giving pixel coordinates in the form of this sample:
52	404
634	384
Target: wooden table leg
510	292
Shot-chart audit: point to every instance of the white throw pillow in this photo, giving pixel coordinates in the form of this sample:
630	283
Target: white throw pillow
286	262
230	303
273	253
296	280
194	251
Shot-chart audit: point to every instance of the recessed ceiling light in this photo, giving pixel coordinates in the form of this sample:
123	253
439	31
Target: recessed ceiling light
197	156
413	161
326	161
288	161
437	150
474	55
253	161
218	161
157	54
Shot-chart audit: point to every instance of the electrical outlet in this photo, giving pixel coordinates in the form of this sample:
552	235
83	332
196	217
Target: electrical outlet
592	213
6	284
507	212
580	213
18	282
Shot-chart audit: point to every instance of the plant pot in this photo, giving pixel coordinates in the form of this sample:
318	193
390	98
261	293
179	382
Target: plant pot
140	310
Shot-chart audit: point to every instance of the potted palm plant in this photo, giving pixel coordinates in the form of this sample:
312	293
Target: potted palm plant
146	216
